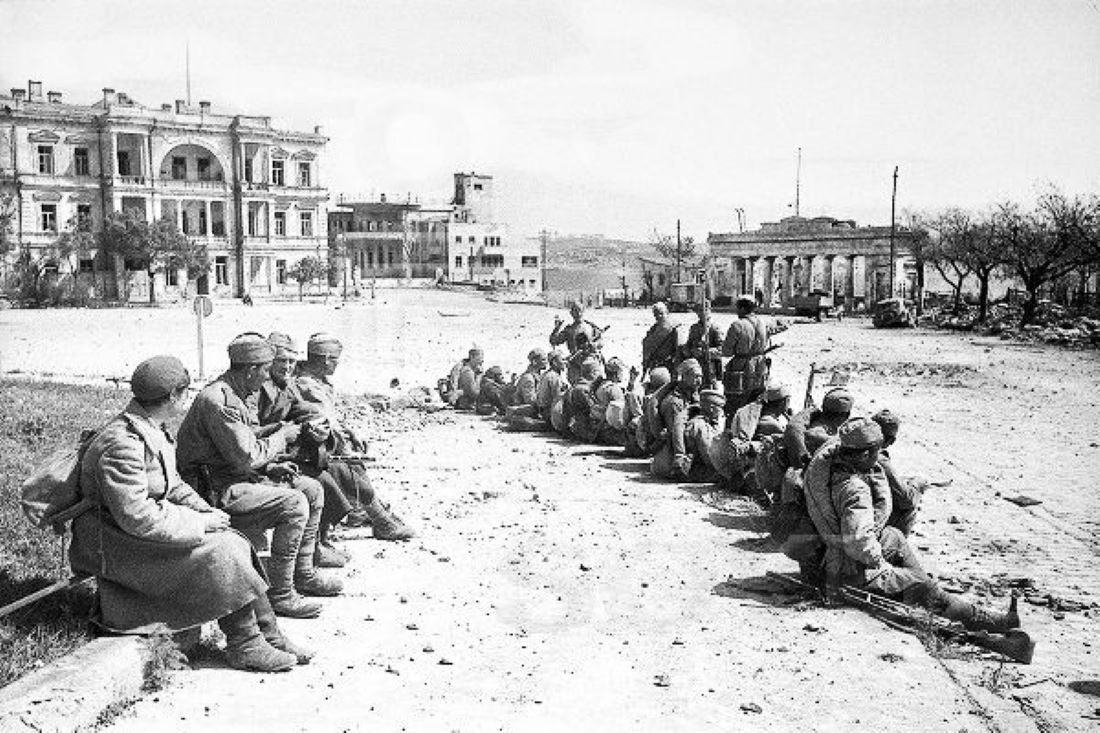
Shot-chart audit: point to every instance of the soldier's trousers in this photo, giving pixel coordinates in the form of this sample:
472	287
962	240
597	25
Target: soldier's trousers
350	487
906	579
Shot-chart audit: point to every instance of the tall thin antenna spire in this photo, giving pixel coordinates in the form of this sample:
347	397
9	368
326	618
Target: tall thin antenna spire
188	62
798	182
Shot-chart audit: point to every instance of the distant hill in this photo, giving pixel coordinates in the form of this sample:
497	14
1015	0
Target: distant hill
586	264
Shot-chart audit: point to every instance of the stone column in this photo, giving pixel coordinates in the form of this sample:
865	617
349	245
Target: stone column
849	279
827	274
788	281
766	277
208	228
179	214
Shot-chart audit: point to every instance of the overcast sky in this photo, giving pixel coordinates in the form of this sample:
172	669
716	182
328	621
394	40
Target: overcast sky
618	117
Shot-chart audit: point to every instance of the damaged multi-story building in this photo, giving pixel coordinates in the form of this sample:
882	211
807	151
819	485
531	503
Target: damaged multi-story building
252	193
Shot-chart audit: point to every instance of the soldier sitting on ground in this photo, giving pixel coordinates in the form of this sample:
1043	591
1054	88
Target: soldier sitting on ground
579	401
671	459
609	405
810	429
460	388
701	435
906	492
843	483
492	396
750	455
644	431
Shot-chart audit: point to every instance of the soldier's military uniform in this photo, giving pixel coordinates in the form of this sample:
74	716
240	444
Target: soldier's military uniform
316	388
220	454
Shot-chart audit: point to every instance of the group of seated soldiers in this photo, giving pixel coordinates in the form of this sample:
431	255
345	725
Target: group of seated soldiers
838	506
178	526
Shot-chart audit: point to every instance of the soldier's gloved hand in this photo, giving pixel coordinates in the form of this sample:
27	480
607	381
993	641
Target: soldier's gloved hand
285	471
291	431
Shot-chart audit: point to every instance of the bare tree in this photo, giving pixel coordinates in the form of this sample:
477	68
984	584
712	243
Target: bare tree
672	248
984	256
954	232
1046	244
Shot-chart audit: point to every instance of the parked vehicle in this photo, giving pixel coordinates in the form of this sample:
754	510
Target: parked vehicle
892	313
817	304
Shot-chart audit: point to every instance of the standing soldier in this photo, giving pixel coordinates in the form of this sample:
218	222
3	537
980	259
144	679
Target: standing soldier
660	342
220	455
701	347
343	441
580	335
747	343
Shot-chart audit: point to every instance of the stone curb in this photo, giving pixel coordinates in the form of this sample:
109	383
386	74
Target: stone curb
70	693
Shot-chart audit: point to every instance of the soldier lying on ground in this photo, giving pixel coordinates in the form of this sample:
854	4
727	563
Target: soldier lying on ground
221	457
161	555
843	486
343	446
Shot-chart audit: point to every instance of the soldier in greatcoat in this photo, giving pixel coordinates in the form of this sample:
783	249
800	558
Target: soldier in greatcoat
161	555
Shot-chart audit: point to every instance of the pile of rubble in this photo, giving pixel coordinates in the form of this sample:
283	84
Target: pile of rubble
1053	323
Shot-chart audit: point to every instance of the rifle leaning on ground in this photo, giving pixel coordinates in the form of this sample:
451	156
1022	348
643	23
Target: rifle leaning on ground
1015	644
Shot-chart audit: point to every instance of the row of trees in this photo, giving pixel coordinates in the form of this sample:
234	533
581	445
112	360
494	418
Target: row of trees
1053	247
154	246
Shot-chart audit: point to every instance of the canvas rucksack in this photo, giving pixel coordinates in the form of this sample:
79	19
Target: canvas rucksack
51	494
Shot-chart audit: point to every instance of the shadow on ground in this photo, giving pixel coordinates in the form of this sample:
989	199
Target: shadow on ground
760	588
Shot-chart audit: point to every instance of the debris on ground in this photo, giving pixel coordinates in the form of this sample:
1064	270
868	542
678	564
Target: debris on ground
1053	323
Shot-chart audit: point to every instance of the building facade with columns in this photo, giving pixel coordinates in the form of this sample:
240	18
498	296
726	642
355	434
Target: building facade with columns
250	192
800	256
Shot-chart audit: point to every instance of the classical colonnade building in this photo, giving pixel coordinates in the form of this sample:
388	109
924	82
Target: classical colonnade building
799	256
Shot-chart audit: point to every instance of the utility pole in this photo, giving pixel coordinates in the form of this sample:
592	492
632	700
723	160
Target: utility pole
893	229
798	182
678	250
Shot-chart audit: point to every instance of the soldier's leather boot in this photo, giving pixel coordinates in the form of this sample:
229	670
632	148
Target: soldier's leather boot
326	555
976	618
284	554
246	648
385	524
269	627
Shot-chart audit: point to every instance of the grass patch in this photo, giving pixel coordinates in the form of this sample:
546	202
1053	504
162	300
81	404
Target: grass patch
37	418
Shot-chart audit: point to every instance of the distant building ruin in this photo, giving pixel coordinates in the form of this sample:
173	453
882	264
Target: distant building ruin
799	256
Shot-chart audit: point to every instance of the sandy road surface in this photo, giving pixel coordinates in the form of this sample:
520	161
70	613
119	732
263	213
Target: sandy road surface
495	584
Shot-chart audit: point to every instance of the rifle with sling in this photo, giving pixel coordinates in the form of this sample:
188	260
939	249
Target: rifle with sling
809	402
1015	644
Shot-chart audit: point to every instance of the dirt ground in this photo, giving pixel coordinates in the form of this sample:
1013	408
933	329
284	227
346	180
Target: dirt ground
555	586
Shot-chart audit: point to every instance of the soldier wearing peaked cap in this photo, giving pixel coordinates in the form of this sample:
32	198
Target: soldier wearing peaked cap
220	454
343	444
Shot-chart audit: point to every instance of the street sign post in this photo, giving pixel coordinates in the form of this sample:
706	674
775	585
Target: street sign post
203	307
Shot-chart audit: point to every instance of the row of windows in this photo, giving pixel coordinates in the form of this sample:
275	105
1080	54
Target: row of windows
487	241
47	216
47	221
498	261
178	172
